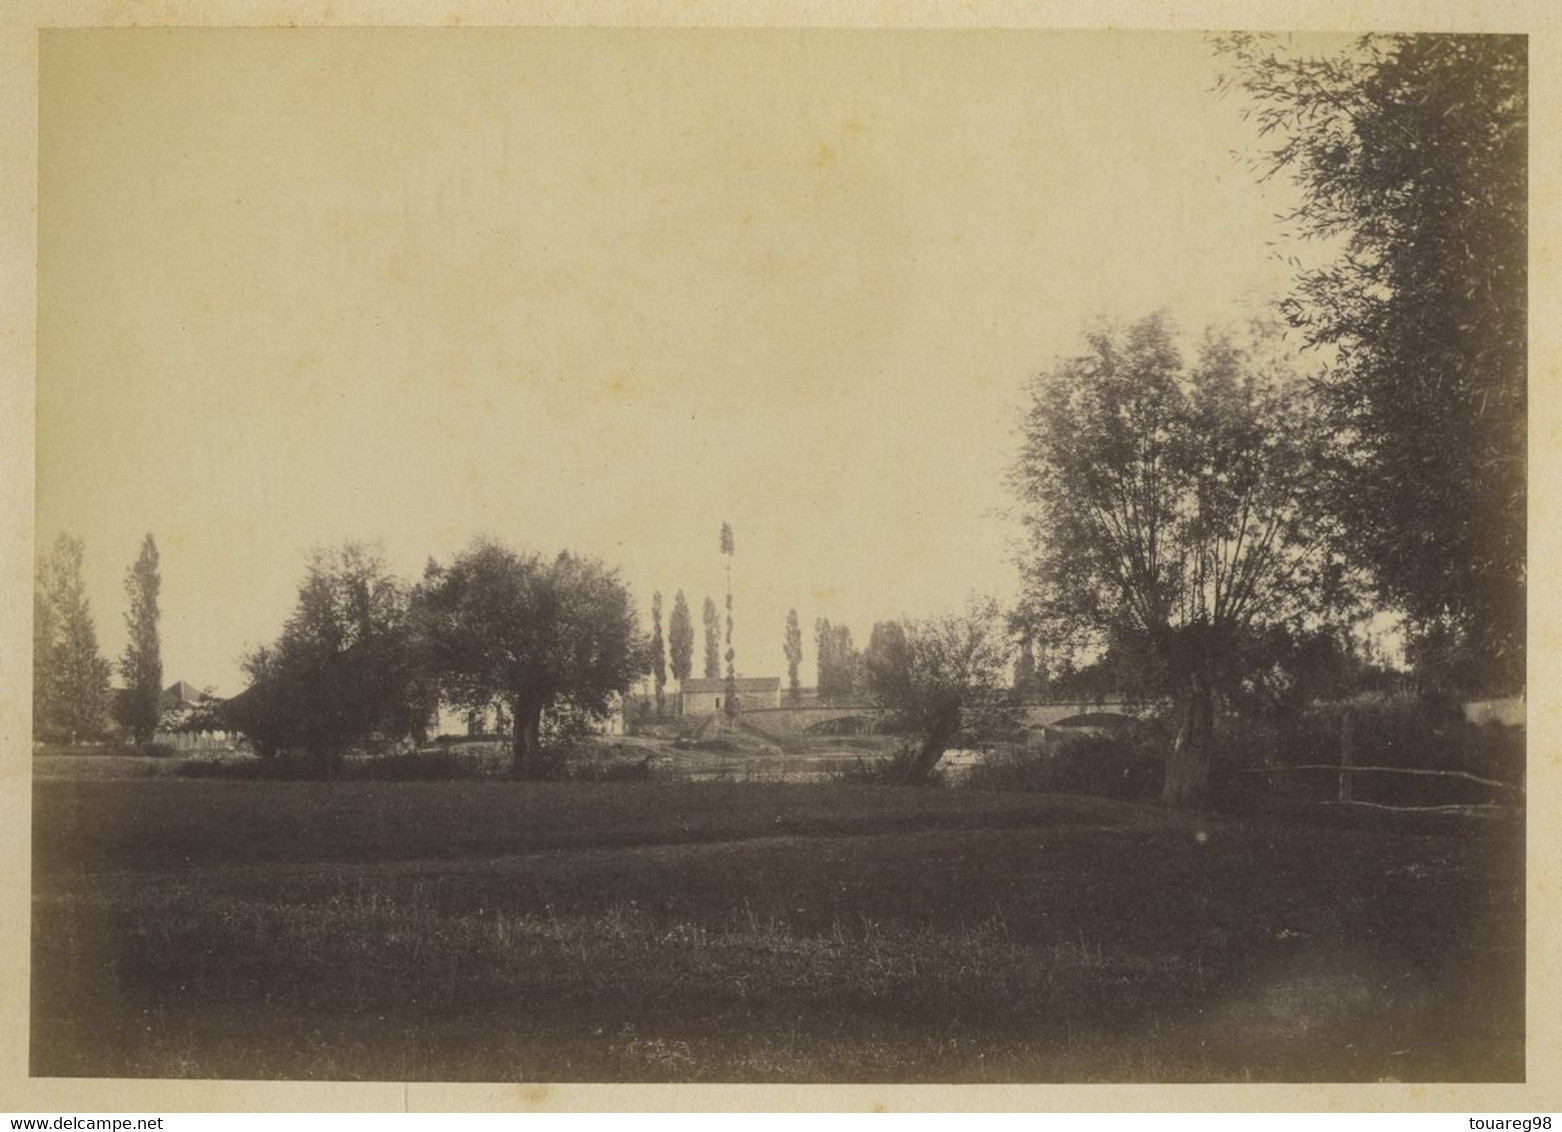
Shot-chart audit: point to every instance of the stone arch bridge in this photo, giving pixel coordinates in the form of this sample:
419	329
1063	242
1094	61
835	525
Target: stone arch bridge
864	718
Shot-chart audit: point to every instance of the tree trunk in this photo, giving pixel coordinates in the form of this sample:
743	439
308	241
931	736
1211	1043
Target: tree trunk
919	771
527	739
1187	766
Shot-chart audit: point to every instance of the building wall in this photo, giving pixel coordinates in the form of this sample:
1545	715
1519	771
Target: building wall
701	703
708	703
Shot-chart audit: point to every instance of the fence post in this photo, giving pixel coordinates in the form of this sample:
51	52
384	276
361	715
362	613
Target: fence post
1347	752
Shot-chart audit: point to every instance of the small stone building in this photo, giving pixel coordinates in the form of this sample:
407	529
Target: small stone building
706	697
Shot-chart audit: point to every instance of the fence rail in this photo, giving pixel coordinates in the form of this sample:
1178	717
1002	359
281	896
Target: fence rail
1350	770
1477	809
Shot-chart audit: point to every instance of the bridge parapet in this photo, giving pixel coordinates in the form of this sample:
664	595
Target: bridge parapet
1049	712
788	721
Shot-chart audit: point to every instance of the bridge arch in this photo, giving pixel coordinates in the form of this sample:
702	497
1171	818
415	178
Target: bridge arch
1113	720
860	724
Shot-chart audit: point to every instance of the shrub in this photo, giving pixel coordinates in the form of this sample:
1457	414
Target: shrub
893	770
414	766
419	766
248	768
1125	764
609	771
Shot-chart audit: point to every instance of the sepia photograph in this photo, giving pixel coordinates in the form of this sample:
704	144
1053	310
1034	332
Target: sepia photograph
780	555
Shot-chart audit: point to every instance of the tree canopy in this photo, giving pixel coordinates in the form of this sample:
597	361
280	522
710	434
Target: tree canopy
680	639
839	662
941	678
1169	509
346	666
792	646
70	675
1410	152
542	636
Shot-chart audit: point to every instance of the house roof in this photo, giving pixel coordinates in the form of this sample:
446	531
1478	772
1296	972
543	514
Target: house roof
743	684
182	695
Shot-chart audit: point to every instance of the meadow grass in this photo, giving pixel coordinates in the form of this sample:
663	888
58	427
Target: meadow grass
712	931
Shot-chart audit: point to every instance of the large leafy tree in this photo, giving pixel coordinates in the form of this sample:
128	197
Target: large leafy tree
1170	512
793	647
541	636
141	665
70	675
347	665
680	639
940	680
1410	153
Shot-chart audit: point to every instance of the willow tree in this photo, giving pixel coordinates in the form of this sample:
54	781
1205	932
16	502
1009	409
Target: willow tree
1172	508
345	667
536	635
942	680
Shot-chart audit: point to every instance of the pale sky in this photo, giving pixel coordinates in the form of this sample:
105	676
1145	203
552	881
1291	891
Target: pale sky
597	290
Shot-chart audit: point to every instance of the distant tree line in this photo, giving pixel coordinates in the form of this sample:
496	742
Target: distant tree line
675	652
73	700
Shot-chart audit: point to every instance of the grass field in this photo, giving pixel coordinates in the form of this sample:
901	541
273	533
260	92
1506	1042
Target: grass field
498	930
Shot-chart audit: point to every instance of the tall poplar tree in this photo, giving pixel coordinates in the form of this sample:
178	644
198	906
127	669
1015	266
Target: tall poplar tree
658	653
680	639
824	653
794	655
727	547
712	641
141	665
847	662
